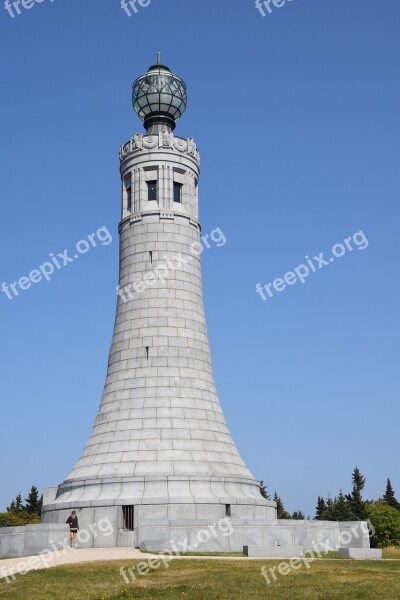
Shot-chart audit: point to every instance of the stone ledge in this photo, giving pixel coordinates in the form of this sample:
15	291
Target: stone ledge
35	527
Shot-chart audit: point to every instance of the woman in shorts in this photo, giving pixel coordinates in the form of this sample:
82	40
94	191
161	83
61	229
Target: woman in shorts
72	521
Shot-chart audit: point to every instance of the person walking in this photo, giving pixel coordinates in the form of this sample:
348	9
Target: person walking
72	521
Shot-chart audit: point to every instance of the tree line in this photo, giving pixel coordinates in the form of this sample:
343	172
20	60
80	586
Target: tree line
384	513
23	512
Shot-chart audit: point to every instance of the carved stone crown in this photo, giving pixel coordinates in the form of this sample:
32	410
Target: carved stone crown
162	141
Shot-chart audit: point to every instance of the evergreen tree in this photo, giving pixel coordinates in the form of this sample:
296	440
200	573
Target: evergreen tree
264	491
40	504
32	502
321	510
298	515
329	509
16	505
19	507
355	498
279	505
390	497
358	480
342	509
280	509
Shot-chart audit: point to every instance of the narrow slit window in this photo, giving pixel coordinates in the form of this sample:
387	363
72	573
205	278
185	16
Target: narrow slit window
128	514
128	192
147	352
151	190
228	512
177	192
151	257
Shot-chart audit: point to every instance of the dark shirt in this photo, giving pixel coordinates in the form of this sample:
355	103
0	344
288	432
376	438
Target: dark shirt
73	522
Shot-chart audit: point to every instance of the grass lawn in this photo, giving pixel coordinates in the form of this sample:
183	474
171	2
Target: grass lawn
391	552
211	580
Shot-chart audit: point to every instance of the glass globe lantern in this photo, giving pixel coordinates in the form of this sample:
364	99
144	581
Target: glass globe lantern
159	98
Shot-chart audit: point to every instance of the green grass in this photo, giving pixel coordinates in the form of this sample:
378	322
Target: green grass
331	555
211	580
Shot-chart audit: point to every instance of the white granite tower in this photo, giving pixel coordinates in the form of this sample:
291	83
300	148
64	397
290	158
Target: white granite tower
160	469
160	443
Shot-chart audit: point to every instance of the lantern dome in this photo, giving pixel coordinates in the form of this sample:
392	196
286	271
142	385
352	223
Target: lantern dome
159	97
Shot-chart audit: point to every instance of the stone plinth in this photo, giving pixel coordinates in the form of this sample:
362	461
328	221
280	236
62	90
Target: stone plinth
361	553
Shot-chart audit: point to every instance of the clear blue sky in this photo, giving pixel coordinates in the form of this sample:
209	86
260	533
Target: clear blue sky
296	116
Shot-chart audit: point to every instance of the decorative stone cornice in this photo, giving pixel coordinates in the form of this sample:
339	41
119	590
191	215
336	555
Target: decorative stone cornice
163	141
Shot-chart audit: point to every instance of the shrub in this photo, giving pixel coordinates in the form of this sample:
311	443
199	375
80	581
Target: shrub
386	522
9	519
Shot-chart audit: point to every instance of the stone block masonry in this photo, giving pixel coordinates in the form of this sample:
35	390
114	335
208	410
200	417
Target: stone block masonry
160	442
160	465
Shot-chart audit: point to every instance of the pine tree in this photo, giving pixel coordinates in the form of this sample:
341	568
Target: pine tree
355	498
280	509
342	509
19	507
321	510
16	505
40	504
264	491
279	505
358	479
298	515
329	509
32	502
390	497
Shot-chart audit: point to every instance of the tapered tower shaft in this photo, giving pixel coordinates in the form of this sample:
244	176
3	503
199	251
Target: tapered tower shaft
160	438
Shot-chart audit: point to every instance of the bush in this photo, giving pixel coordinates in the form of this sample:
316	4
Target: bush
386	522
9	519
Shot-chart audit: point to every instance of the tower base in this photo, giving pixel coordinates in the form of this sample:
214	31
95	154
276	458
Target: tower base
174	525
103	527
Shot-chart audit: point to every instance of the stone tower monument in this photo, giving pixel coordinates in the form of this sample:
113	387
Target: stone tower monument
160	468
160	456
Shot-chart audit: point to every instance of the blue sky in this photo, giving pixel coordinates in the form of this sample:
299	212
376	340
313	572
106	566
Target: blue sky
296	116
